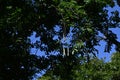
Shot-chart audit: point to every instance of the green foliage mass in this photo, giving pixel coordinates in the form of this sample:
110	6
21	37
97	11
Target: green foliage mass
83	19
95	69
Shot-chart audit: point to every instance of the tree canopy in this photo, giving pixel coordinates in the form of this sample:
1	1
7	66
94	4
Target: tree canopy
96	69
69	28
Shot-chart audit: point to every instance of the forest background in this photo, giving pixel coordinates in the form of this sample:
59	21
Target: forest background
67	34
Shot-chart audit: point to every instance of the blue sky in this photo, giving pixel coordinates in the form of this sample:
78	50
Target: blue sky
100	48
106	55
102	55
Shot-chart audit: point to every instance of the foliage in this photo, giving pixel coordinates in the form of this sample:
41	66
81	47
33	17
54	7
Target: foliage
95	69
115	66
82	20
